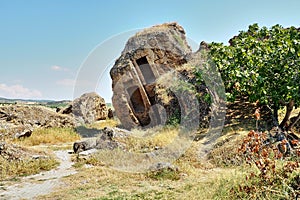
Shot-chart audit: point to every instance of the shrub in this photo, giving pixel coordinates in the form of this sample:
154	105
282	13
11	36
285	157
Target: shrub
273	173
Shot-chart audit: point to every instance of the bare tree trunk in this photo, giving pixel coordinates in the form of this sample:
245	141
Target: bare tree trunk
293	123
289	109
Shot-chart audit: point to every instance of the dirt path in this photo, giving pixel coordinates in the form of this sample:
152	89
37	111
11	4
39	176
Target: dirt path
40	184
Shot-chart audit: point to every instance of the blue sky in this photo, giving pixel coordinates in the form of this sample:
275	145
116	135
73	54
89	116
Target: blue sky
44	43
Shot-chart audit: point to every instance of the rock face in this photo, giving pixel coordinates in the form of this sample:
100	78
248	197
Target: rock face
146	56
20	120
88	108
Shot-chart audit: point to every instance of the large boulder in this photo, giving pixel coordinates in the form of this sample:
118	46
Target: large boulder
146	57
89	107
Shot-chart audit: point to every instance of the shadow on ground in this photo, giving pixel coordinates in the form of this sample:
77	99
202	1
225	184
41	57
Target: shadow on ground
87	132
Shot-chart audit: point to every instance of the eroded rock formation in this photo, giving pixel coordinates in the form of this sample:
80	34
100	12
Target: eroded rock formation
146	57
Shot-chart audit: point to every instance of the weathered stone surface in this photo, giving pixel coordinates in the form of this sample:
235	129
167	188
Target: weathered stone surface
107	139
88	108
19	120
146	56
84	145
14	152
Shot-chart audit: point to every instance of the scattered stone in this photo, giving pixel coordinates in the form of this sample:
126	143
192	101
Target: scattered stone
2	146
84	182
24	134
36	157
108	134
157	148
14	152
17	121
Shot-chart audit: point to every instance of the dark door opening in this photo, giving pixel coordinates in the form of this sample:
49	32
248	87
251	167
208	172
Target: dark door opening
136	99
146	69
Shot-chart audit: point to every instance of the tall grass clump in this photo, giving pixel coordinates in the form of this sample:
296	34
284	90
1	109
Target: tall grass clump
50	136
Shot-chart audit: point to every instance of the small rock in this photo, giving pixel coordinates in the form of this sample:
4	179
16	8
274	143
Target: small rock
157	148
84	181
39	157
84	145
108	133
26	133
2	146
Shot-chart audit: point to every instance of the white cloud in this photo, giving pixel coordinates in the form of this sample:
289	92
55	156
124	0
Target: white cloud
66	82
18	91
59	68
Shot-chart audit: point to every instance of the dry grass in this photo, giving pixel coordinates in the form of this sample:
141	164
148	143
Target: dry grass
104	123
144	141
49	139
134	158
195	179
24	167
111	184
49	136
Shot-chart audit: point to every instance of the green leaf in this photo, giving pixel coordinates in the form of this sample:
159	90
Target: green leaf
265	62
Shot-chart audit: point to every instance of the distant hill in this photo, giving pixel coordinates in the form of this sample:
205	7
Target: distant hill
5	100
48	103
43	102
